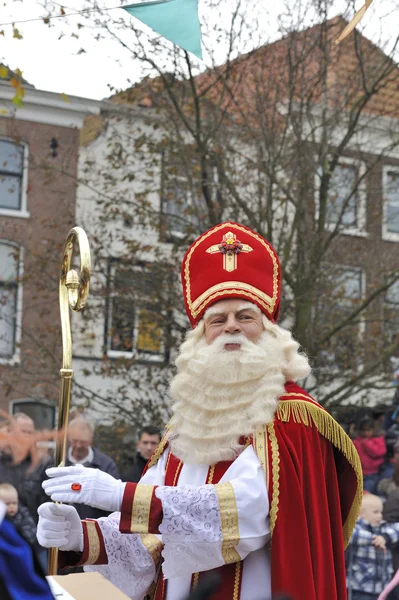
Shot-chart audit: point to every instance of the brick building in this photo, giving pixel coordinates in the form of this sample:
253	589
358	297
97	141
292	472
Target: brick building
299	140
39	147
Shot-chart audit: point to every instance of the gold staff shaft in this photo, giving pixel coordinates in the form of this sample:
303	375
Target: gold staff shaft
73	291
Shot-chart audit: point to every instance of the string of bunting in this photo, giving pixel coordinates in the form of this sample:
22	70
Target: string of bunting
175	20
178	22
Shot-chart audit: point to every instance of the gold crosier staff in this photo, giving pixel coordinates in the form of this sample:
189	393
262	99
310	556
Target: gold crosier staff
73	294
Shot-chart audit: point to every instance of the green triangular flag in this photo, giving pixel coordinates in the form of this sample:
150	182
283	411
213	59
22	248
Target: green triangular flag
176	20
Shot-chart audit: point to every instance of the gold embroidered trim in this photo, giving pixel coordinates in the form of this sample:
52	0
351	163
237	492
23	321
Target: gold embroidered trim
260	439
227	285
153	545
211	473
312	414
141	508
248	232
94	543
178	468
296	395
232	291
237	577
275	475
160	450
195	581
229	522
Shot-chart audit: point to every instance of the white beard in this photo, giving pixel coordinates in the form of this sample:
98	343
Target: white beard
223	395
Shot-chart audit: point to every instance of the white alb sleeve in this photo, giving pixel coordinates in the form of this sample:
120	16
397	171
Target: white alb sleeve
207	526
132	559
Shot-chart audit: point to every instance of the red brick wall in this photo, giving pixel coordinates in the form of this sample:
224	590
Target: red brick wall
51	204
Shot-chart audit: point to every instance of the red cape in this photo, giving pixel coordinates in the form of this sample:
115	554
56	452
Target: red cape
315	490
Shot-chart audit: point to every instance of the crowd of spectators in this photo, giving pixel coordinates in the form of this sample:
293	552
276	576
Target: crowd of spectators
23	464
373	552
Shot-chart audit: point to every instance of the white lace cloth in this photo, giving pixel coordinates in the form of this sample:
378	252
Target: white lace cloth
130	566
191	529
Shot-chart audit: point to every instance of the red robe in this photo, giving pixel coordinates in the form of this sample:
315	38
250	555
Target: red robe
314	480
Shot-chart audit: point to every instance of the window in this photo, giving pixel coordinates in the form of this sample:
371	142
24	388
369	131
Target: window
13	176
10	312
346	201
176	207
343	291
391	314
134	317
391	204
342	184
183	207
43	415
348	288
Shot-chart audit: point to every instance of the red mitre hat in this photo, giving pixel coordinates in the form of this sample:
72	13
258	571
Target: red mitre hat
230	261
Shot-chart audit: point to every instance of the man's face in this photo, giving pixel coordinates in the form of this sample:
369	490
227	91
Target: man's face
24	426
80	440
147	444
232	317
10	499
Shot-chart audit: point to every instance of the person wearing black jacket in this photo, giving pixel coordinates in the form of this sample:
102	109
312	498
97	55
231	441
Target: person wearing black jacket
148	441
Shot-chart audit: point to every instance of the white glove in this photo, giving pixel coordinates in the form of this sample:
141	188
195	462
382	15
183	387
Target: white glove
98	489
60	527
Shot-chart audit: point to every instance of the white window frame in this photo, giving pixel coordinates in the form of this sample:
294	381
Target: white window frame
22	212
362	321
389	236
140	356
386	304
16	357
189	200
360	228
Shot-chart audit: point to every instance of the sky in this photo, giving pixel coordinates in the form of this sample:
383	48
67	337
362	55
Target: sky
55	62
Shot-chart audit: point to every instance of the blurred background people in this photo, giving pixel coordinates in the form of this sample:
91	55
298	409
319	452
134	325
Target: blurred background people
369	562
23	522
148	441
391	515
387	485
20	574
372	450
18	514
22	465
81	451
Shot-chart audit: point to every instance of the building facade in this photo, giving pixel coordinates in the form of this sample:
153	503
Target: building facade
39	148
322	186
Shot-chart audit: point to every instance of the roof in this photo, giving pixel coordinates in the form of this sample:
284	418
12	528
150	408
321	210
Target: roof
306	67
6	74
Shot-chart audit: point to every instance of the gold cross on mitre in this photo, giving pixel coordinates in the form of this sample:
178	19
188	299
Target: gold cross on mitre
230	247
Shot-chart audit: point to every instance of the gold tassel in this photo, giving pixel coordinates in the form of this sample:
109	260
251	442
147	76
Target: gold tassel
310	414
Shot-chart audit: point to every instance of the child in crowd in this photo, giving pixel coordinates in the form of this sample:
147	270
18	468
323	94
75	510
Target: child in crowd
19	515
372	452
369	561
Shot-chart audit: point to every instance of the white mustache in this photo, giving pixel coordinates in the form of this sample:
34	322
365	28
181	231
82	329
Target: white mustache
228	338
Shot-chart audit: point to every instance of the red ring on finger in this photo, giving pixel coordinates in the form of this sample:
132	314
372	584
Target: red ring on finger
76	487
